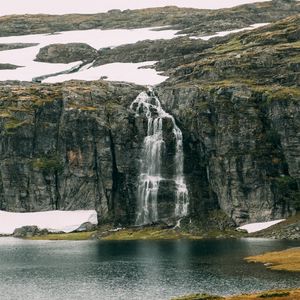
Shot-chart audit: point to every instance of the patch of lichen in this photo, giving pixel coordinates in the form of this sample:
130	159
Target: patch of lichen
232	46
286	93
48	164
35	94
81	107
112	106
5	114
14	123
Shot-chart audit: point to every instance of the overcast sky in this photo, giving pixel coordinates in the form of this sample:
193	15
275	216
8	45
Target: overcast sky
93	6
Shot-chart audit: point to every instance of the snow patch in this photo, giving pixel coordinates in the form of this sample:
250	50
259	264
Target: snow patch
96	38
224	33
129	72
254	227
53	221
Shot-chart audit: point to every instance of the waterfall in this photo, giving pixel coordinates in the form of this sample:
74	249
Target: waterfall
148	104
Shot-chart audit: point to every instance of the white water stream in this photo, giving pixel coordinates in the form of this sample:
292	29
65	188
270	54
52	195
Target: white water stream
151	160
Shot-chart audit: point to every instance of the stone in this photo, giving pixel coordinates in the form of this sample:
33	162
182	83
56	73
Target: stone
87	227
29	231
66	53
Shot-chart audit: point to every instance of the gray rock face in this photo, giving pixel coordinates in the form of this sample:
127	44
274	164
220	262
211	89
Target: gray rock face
29	231
66	53
72	146
240	152
87	227
78	146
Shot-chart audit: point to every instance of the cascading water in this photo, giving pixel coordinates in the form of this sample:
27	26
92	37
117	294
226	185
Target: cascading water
151	159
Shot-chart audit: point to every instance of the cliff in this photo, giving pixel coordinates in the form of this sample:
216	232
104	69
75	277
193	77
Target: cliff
78	145
238	106
69	146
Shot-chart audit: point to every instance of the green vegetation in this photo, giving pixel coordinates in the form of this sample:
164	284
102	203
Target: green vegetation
149	233
13	123
199	297
112	107
284	93
233	45
73	236
48	164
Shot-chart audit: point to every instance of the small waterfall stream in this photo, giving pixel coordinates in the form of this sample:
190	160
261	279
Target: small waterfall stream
150	176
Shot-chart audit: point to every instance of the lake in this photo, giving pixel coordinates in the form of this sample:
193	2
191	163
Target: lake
135	270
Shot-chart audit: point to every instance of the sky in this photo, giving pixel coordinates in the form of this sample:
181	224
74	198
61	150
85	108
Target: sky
94	6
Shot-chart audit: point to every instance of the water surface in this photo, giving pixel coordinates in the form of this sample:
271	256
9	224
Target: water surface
135	270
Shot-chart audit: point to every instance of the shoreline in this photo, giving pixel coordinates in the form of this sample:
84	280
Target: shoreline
286	260
280	294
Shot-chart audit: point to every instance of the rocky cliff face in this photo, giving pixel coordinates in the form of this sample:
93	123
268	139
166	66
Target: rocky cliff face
72	146
77	145
239	109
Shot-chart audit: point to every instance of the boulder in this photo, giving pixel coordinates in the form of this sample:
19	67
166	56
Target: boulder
66	53
87	226
29	231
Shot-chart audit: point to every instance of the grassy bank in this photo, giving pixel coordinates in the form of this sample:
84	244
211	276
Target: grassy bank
287	260
73	236
290	294
149	233
143	233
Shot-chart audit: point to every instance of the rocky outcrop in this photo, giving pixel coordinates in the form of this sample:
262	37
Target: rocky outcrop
29	231
66	53
8	67
10	46
157	50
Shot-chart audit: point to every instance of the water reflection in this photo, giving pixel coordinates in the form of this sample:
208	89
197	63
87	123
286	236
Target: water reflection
135	269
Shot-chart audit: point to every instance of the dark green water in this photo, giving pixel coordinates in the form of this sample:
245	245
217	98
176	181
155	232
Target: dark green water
135	270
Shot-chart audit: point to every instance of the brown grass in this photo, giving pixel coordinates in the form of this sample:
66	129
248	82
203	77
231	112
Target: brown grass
73	236
149	233
287	260
290	294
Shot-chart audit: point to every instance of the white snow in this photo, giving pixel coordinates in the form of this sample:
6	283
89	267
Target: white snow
129	72
254	227
224	33
54	221
94	6
96	38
